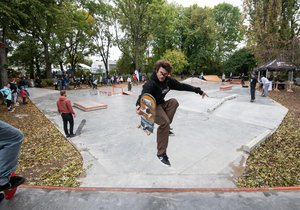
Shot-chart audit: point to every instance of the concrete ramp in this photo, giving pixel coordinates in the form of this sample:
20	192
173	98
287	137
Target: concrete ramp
212	78
89	105
194	81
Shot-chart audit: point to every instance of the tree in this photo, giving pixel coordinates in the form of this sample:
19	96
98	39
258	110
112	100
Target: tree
177	59
124	65
11	19
240	62
272	27
136	22
104	29
199	38
166	33
79	38
230	29
40	24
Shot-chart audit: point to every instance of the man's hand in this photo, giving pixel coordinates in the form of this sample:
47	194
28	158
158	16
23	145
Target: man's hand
204	94
138	110
74	115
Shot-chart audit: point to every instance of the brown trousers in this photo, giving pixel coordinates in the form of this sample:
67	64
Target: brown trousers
164	117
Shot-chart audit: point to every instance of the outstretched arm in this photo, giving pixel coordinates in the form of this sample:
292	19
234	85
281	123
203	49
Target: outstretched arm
174	84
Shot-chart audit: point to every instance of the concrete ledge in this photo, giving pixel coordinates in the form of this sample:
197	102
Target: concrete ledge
214	107
89	105
257	140
222	88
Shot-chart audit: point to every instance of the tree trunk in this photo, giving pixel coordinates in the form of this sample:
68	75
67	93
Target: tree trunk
47	61
37	66
31	68
3	67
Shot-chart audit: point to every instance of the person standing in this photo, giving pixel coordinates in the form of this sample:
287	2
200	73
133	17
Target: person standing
23	94
6	92
11	139
95	83
223	79
265	82
158	86
253	82
65	109
129	83
14	91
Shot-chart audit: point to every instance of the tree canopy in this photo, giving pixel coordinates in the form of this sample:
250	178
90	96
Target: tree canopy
38	35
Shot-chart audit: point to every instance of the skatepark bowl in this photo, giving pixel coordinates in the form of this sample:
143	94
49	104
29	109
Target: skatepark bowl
208	152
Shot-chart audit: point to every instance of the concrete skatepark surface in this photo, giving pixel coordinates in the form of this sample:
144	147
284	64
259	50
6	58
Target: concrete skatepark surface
207	151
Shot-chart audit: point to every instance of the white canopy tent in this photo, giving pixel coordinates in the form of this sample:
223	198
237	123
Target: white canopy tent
84	66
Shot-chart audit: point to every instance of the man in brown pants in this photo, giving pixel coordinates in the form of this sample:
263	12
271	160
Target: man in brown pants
158	86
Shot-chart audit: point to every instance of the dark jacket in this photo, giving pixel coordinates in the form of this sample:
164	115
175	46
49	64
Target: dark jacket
253	82
160	89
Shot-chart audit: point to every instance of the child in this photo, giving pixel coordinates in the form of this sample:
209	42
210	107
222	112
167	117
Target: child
23	93
14	91
6	92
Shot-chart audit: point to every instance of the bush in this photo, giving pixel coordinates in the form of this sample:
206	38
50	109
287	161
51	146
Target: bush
47	82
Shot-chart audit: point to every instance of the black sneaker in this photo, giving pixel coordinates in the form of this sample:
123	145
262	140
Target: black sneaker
171	133
164	159
14	181
72	135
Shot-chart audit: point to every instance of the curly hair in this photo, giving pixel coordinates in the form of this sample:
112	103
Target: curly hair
164	64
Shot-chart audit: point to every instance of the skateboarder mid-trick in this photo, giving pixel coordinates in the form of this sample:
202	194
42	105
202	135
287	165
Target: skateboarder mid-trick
158	86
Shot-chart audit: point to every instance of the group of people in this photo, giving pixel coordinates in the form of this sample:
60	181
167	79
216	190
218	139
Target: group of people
264	82
11	91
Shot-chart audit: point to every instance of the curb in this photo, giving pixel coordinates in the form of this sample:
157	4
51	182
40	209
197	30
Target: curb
257	140
223	100
162	190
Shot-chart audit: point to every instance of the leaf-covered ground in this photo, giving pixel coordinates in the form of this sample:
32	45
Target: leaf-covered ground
47	157
276	162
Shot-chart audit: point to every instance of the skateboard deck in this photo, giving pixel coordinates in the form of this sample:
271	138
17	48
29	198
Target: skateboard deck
148	110
8	194
79	129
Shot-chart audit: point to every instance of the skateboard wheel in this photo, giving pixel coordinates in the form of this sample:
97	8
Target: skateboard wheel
138	126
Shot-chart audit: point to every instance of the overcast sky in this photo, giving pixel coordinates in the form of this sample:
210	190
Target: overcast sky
210	3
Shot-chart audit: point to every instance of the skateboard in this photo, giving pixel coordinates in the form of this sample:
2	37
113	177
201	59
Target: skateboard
147	109
79	129
8	194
